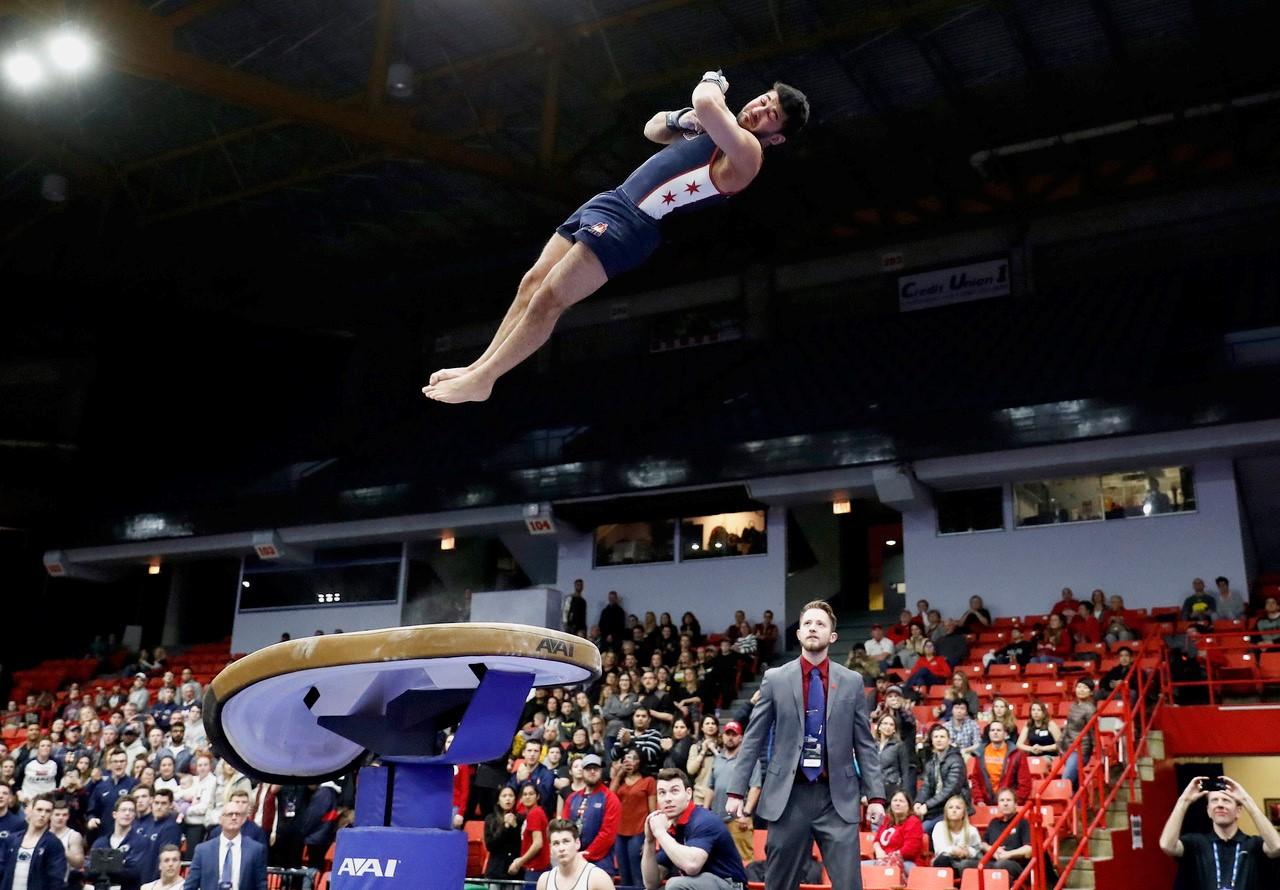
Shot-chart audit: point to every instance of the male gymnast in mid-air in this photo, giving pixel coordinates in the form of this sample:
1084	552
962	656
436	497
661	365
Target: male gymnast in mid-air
710	154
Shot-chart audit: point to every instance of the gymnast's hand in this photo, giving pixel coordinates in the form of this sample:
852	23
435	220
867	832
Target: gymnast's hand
689	122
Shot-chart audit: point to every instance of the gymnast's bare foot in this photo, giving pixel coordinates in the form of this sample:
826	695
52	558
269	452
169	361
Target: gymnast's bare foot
447	374
469	387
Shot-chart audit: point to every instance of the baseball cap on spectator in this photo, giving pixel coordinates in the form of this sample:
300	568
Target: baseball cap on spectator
71	727
877	627
591	760
733	726
892	689
130	729
141	674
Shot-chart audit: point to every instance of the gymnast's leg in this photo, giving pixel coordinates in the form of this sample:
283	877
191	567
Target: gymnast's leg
552	253
574	278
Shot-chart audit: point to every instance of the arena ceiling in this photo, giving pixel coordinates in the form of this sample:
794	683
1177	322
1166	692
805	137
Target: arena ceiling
252	185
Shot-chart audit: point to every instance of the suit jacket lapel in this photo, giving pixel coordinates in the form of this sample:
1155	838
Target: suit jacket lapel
833	684
797	690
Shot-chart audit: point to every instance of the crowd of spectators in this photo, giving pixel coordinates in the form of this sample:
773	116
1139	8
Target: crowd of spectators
129	759
945	751
127	766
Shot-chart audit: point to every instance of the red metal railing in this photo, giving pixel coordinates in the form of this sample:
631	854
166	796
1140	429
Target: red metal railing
1135	706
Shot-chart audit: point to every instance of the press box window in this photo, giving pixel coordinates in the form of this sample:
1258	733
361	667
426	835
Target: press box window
970	510
1131	494
635	543
723	534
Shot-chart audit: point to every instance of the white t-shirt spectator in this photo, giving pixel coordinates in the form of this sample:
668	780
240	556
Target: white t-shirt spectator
38	778
883	647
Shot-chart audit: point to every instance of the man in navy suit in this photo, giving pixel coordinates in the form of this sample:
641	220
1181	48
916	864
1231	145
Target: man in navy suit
229	860
36	853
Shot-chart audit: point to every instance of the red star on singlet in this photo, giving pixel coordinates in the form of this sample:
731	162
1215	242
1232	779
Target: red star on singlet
691	187
668	198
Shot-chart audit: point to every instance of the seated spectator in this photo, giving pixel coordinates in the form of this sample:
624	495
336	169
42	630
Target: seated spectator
943	777
879	648
998	765
681	742
746	643
895	758
909	651
963	729
1085	628
1229	605
689	625
898	633
896	706
1269	620
900	839
862	663
1066	604
1116	630
957	690
1001	712
767	637
952	645
931	669
1018	650
732	631
956	843
618	706
1097	604
1200	605
921	615
1116	675
1055	645
934	629
1014	851
658	703
976	617
1040	737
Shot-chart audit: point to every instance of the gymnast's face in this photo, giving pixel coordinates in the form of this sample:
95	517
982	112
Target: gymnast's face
763	116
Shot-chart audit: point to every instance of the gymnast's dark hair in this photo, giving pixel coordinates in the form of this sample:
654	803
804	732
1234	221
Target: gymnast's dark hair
794	105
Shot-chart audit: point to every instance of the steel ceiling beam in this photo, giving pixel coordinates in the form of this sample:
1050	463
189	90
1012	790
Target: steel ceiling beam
192	11
384	34
142	45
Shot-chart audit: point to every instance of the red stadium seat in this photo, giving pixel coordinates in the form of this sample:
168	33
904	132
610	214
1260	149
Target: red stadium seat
1039	766
1269	665
866	844
881	877
1003	671
922	878
982	816
758	839
1050	690
1038	671
992	879
1056	793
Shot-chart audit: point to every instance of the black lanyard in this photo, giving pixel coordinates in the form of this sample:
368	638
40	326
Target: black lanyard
1217	865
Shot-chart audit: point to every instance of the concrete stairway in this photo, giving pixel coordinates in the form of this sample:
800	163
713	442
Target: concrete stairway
1100	847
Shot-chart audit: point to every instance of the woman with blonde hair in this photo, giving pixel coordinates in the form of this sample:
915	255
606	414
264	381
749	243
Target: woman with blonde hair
1001	712
955	841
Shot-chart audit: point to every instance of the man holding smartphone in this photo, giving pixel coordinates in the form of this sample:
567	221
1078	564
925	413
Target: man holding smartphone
1226	858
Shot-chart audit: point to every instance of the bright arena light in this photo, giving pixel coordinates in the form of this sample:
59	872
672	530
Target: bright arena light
23	70
70	51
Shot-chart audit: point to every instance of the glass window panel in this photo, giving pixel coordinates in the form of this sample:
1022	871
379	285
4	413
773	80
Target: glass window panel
635	543
970	510
723	534
1128	494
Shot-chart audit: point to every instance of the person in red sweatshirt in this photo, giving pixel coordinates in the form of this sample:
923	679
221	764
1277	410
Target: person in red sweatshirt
598	813
1085	627
902	630
901	835
999	764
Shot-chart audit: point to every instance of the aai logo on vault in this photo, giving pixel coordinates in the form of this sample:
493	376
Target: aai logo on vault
377	868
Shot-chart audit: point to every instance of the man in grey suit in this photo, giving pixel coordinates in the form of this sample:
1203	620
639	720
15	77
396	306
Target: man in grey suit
823	760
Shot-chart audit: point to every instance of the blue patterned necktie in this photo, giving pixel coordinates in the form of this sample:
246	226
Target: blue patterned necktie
227	866
814	717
